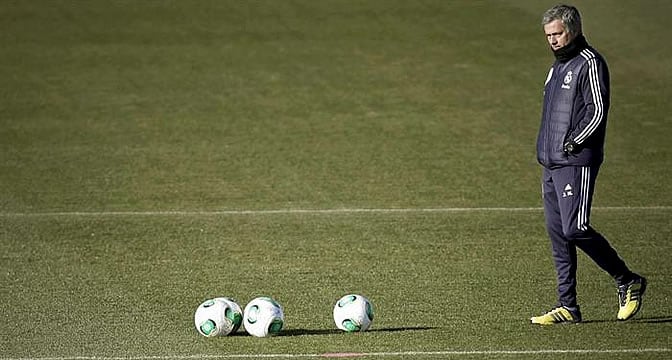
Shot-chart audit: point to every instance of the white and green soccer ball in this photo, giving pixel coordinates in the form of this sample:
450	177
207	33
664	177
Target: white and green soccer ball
353	312
263	317
218	317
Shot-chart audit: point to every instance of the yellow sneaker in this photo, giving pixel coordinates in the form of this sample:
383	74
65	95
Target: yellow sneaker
559	315
630	298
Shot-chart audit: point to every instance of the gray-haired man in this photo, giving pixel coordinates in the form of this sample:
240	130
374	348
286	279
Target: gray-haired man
570	149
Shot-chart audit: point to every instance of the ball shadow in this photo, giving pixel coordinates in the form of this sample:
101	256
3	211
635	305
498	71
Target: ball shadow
302	332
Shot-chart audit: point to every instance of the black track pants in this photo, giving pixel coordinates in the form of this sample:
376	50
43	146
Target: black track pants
568	194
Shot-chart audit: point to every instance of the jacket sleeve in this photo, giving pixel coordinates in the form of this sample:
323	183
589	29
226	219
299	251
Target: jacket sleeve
594	85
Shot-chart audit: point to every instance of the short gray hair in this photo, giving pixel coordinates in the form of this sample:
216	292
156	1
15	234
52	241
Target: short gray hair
569	15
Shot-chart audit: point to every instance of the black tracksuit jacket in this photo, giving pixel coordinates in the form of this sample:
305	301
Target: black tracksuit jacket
576	103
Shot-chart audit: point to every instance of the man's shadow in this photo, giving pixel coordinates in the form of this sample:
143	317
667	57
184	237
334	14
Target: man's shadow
646	320
654	320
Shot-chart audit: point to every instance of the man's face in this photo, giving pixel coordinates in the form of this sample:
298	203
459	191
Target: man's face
556	34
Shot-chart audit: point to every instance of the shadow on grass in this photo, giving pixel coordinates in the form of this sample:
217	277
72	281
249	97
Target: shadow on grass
647	320
410	328
654	320
300	332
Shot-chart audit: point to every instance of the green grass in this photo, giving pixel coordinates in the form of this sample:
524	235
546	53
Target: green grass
114	113
128	285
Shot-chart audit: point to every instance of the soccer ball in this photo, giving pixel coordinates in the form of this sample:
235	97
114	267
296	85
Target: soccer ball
353	313
218	317
233	313
263	317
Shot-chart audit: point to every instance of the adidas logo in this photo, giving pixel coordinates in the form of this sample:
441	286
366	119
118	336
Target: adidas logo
568	191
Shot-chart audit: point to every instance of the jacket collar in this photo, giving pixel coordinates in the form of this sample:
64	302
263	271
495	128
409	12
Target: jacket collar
571	50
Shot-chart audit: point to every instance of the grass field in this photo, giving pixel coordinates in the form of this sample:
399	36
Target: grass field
157	153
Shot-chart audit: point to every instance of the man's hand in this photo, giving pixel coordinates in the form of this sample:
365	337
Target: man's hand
570	147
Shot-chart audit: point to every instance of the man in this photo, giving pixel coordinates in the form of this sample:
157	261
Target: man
570	149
